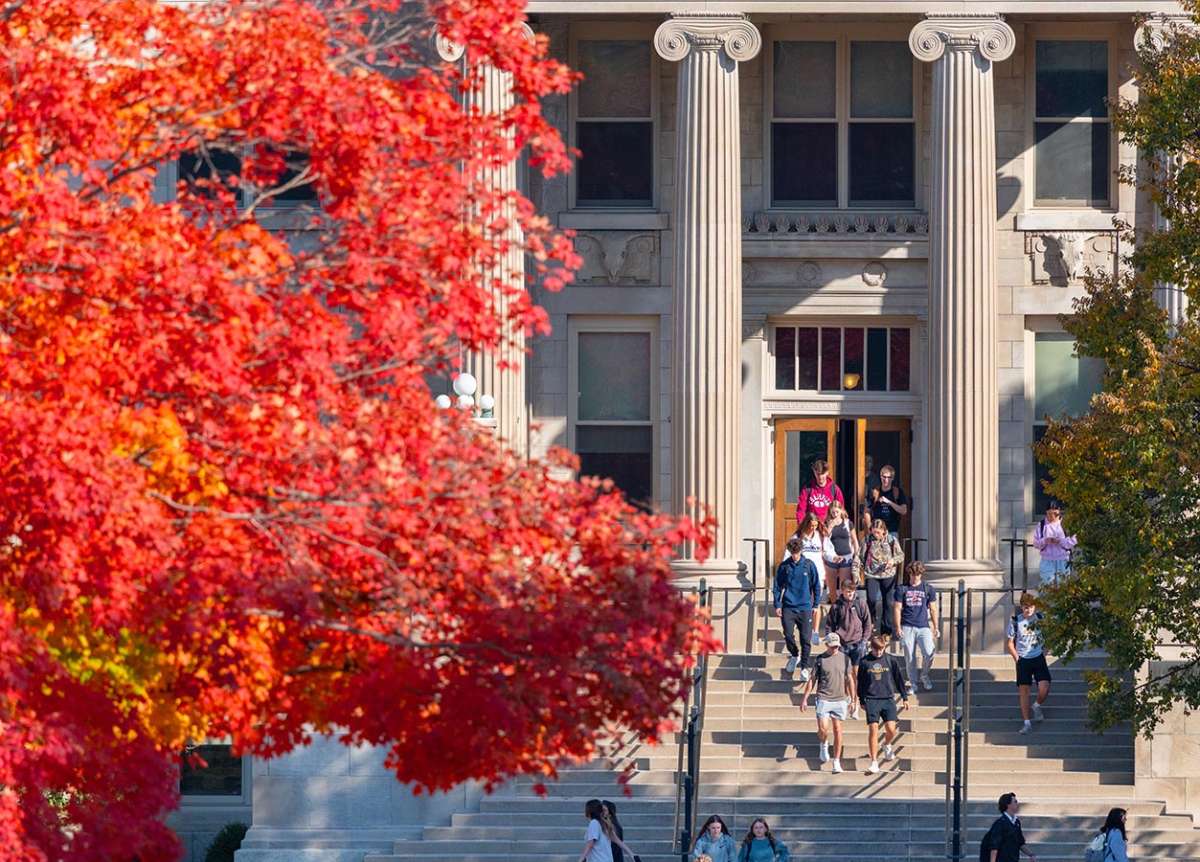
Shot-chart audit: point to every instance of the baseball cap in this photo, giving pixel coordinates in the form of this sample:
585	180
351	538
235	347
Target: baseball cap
832	639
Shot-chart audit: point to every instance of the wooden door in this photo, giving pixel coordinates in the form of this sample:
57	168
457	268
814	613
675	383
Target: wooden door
798	442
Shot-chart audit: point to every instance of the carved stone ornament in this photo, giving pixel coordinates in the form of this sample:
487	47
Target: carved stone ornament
1157	30
1063	258
685	32
939	32
874	274
617	257
452	52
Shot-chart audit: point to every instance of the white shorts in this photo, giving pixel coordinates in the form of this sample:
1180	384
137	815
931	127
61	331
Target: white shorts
832	709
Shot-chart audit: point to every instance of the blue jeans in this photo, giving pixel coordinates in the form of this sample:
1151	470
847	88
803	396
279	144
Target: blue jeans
917	639
1051	570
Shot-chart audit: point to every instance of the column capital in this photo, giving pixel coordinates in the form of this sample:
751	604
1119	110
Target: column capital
1157	30
939	32
730	32
451	52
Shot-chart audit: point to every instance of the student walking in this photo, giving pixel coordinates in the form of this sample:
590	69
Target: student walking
797	591
760	845
879	681
881	562
844	560
601	835
888	502
819	494
1053	543
915	617
850	618
833	679
1111	844
617	854
714	841
1005	840
1024	643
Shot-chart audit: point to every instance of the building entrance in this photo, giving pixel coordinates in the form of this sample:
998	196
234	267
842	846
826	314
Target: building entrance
856	448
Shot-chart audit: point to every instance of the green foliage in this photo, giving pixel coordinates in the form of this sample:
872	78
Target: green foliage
226	843
1128	471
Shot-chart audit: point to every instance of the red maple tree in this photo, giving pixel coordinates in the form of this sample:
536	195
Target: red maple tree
227	507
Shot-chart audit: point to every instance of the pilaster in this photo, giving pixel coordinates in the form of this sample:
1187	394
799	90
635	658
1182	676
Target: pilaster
707	266
961	391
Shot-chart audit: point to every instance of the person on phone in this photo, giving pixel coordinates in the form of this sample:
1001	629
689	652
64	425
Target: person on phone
819	494
879	681
914	610
1053	544
889	503
1024	643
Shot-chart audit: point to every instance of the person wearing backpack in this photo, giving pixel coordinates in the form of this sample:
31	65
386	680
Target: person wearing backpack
1005	841
1111	842
882	558
1024	642
1053	544
850	618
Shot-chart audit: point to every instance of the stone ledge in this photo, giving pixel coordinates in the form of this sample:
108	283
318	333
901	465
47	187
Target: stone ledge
603	219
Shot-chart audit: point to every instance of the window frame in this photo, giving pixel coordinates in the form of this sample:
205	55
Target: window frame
771	390
214	800
842	35
1073	32
577	324
617	32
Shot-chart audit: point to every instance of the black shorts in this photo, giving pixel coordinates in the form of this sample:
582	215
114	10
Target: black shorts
881	709
1030	669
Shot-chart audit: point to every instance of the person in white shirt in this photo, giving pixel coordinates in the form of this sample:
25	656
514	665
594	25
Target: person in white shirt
600	836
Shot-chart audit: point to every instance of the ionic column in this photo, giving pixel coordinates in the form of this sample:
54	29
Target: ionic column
1155	32
963	416
707	275
500	371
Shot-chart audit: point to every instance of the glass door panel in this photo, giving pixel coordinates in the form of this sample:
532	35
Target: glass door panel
798	442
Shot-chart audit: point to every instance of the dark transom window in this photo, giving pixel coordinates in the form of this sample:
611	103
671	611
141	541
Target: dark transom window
842	358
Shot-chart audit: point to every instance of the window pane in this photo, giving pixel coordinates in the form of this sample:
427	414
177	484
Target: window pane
1063	383
212	164
222	776
854	358
615	165
881	163
623	454
802	447
614	375
898	368
616	79
1072	79
1072	162
877	359
831	358
804	163
785	357
881	79
295	163
806	357
805	79
1041	473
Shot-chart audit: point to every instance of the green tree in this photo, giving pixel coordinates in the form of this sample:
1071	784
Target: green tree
1129	470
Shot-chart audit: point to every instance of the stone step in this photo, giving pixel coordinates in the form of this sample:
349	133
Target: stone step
570	853
778	708
800	770
982	804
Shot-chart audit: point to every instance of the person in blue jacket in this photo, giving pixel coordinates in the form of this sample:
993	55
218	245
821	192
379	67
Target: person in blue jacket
797	594
760	845
714	841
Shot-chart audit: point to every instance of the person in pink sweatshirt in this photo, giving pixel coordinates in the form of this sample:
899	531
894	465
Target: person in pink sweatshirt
819	494
1054	544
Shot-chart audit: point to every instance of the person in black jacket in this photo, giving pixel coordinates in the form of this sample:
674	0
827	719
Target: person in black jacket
880	679
1005	842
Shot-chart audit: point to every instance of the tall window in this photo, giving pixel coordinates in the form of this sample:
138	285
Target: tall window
830	148
842	358
1072	137
615	394
1063	386
221	778
614	124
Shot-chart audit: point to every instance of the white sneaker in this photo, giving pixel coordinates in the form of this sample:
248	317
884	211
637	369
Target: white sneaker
824	752
888	754
1026	728
873	769
804	674
1038	715
837	766
926	682
791	665
908	688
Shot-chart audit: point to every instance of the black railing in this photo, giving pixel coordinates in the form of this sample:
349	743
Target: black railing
958	720
687	784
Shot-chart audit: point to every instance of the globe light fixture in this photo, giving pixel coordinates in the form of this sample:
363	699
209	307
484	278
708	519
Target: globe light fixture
466	402
487	404
442	401
465	384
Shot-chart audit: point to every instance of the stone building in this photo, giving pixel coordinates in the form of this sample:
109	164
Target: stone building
809	230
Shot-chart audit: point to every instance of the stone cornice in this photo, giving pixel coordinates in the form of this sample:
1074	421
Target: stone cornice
939	32
685	32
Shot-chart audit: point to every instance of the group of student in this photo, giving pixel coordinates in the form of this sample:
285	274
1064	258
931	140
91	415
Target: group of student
1005	840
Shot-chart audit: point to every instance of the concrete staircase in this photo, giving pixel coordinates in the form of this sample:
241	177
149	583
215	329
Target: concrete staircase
759	758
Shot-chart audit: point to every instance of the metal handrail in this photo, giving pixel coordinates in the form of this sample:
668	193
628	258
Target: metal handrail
687	788
952	617
768	579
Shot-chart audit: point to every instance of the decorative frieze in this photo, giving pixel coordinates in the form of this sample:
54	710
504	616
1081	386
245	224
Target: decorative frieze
807	273
618	257
1063	258
827	224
